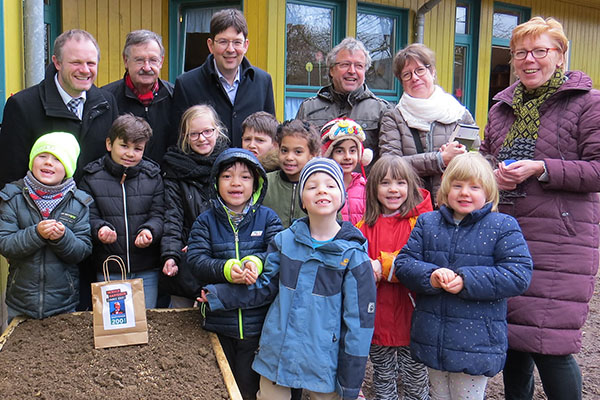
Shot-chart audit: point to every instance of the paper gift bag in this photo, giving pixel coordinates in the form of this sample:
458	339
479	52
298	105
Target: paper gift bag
119	309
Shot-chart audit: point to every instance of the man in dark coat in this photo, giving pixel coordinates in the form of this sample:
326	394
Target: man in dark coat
66	100
226	80
142	93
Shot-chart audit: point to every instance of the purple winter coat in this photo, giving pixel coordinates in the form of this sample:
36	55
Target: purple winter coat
559	218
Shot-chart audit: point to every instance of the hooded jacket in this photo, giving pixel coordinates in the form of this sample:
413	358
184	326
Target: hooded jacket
214	240
464	332
559	217
43	278
158	114
127	200
283	198
38	110
187	193
318	331
202	86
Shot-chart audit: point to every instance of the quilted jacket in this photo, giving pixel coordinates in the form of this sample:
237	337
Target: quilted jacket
213	240
354	208
464	332
396	139
559	218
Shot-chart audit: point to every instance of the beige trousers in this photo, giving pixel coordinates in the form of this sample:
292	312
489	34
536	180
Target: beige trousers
272	391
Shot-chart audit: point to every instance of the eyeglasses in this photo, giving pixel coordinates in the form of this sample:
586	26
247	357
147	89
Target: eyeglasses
153	61
207	133
345	66
224	43
419	71
536	53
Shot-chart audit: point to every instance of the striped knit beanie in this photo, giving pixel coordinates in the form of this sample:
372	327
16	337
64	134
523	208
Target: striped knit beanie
328	166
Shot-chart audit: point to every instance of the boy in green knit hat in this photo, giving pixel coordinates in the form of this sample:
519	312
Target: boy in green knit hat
45	230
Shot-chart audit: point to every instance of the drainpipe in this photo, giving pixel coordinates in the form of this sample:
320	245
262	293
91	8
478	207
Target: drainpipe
420	19
34	37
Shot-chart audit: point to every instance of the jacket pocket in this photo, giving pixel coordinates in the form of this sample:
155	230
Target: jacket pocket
328	281
567	219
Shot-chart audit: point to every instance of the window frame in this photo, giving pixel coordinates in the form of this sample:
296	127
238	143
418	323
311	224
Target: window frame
524	14
177	34
337	30
469	40
400	39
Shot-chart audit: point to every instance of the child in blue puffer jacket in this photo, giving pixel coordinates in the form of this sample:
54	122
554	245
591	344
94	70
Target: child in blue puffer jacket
228	244
463	261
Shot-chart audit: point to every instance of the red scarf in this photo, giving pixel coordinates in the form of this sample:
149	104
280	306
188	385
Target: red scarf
145	98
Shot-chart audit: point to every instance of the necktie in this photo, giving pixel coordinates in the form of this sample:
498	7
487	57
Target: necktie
73	104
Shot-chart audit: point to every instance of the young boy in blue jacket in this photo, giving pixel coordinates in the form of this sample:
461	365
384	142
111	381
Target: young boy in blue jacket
228	244
317	333
127	214
45	230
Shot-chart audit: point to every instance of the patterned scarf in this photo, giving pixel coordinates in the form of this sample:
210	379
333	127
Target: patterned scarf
519	143
46	198
235	217
144	98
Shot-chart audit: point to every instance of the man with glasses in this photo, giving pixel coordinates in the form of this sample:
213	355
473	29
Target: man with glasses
142	93
348	94
227	81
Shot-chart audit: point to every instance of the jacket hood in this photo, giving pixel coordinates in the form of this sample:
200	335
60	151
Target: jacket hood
245	156
350	235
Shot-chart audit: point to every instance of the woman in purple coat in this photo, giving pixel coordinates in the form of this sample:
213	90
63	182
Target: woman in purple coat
545	135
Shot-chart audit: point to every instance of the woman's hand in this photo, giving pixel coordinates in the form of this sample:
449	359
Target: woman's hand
509	176
170	268
451	150
107	235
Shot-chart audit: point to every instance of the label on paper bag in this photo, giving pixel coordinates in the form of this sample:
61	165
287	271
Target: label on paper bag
117	310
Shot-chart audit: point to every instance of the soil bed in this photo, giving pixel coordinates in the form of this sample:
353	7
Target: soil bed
55	358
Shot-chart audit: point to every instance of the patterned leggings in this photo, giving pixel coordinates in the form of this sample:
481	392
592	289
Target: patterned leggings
391	363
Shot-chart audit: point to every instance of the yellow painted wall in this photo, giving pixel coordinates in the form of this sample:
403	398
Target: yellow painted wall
13	47
110	21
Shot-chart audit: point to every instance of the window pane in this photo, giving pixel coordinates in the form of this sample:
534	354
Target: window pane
504	23
378	34
460	55
461	20
309	39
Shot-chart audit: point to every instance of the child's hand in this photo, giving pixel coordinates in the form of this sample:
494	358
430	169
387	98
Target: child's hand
376	265
143	239
59	231
237	274
251	272
170	268
46	228
107	235
184	250
455	285
202	298
441	277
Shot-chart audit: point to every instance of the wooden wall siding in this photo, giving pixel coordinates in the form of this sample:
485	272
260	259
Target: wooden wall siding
14	70
110	21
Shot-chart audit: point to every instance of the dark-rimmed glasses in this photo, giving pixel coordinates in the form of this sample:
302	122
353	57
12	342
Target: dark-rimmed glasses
419	71
536	53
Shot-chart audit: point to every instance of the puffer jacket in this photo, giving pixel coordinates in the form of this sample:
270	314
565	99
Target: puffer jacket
127	200
43	277
282	198
360	105
559	217
213	241
187	193
317	333
394	302
396	139
464	332
354	208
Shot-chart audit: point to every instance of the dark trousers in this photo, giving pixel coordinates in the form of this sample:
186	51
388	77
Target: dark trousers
240	355
560	375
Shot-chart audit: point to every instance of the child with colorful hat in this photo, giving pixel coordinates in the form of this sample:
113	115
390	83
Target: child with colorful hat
45	230
342	140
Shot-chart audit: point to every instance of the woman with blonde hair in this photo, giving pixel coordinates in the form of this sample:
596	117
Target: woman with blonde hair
545	134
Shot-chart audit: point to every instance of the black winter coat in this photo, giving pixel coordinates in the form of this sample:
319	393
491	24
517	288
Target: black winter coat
213	241
158	115
202	86
187	193
38	110
142	208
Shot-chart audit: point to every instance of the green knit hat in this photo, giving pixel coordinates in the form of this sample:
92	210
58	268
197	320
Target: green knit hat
61	145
